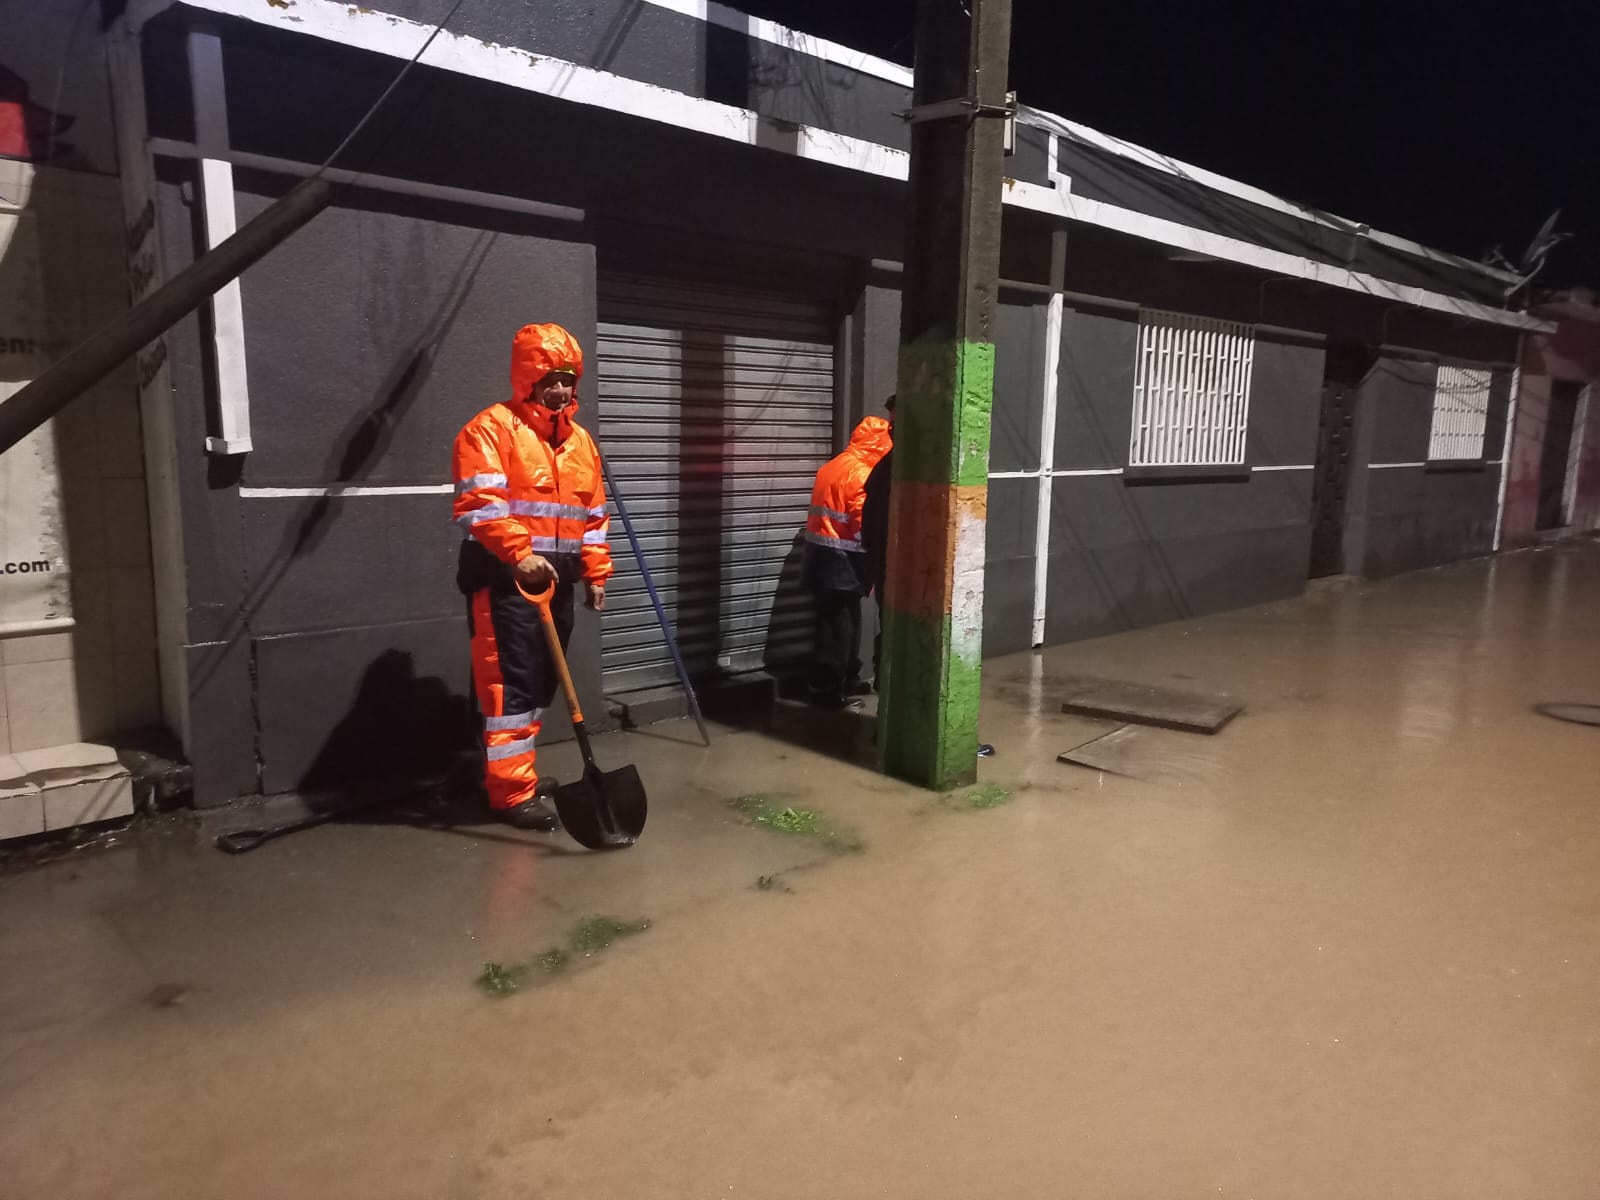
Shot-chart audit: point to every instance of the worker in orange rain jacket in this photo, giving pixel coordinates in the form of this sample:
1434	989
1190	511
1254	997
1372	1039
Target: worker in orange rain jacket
836	564
531	500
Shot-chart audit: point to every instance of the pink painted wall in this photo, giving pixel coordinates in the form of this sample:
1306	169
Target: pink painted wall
1572	352
1522	463
1586	504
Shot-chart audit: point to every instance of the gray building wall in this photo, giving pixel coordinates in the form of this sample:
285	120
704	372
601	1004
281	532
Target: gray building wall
1421	514
325	638
324	634
1127	551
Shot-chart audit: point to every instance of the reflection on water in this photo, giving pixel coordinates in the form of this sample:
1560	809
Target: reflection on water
1344	948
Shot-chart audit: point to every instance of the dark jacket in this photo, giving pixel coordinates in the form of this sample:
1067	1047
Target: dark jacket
875	523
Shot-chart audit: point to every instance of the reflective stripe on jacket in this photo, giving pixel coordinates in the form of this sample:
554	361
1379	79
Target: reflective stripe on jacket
834	521
517	495
528	480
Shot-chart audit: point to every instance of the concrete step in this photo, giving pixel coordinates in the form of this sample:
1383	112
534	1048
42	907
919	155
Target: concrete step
731	694
59	787
647	706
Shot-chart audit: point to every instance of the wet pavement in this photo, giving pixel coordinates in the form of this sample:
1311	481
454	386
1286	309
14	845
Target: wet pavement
1348	947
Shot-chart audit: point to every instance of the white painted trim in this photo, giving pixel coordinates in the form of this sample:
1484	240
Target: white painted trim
1047	454
219	218
1052	169
1294	467
1244	191
398	38
1036	474
168	148
1393	466
779	35
227	316
210	93
341	491
1508	445
1065	205
140	11
403	39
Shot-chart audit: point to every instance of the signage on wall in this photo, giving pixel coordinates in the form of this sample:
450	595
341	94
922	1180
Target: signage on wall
35	586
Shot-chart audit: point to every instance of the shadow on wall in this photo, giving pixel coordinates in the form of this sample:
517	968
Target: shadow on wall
351	459
402	726
789	619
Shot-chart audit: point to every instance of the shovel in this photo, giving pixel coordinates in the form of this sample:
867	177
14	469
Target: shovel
602	810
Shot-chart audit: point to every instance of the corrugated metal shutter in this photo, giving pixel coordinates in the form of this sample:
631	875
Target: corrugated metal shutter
716	411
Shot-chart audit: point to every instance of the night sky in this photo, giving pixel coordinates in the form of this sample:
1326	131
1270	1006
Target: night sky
1459	124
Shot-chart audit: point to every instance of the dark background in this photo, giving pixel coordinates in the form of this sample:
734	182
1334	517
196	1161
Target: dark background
1461	124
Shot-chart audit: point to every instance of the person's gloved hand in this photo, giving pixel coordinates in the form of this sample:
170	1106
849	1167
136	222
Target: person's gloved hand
536	573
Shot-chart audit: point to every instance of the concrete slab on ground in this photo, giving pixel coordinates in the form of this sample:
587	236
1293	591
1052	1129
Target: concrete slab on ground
1144	704
1165	756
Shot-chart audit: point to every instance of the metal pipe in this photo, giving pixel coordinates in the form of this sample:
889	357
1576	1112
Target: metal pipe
91	361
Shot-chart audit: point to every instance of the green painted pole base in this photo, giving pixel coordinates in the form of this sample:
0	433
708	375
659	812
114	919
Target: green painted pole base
928	720
933	613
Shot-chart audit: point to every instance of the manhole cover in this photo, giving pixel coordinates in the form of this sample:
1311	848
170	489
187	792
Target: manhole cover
1578	714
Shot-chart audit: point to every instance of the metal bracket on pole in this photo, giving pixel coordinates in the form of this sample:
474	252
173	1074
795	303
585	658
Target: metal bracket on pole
966	108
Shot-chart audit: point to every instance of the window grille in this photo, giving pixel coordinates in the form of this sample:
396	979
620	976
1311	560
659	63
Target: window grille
1460	412
1191	392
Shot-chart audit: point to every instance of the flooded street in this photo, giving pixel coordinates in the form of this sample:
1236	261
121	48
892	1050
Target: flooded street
1349	946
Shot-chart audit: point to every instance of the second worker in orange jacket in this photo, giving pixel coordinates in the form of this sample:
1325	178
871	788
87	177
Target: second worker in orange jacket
836	563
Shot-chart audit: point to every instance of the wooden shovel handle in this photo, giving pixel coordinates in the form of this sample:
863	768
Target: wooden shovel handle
542	601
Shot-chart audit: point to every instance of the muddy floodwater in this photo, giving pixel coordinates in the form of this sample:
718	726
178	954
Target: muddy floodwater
1348	947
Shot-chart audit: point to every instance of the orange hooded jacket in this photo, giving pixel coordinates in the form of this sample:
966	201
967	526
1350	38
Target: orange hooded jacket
528	480
840	491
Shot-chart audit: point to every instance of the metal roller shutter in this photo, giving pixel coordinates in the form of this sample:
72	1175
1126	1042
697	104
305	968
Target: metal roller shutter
716	411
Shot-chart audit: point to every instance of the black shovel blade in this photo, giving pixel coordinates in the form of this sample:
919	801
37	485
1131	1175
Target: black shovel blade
603	810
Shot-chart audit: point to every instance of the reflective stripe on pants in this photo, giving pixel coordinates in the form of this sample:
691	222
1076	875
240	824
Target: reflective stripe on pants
513	679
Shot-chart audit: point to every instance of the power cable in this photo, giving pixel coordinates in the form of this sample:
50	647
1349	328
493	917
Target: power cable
388	91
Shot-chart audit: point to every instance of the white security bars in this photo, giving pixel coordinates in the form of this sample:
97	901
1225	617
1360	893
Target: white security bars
1191	393
1460	412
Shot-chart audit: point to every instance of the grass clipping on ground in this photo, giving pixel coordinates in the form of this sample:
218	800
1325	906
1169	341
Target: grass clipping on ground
584	940
988	795
773	813
972	799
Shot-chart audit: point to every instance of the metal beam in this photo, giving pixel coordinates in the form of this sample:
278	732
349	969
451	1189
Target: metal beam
91	361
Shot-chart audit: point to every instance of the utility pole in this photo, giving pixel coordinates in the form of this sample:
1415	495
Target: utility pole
933	625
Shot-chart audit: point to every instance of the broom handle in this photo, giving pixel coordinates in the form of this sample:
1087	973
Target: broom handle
655	600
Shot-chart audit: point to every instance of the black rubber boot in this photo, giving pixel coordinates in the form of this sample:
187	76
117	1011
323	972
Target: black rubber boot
534	815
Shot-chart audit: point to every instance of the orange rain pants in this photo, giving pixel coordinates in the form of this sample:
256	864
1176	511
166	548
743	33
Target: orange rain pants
515	681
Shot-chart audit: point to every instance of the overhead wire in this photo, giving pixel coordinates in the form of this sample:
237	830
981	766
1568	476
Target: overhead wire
399	78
